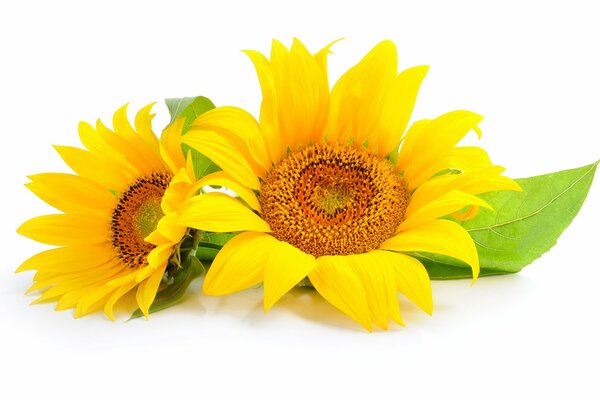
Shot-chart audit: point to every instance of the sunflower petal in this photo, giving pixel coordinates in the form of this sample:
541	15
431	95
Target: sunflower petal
339	285
473	182
225	154
110	148
116	296
65	230
357	96
143	126
445	204
218	212
268	109
373	279
321	59
398	102
240	264
430	142
438	236
146	291
221	178
67	259
285	267
170	146
93	167
72	193
238	127
411	279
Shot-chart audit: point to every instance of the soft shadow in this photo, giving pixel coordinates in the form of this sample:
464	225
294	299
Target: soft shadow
306	303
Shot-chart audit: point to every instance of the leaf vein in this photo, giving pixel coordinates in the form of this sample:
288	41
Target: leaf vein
592	167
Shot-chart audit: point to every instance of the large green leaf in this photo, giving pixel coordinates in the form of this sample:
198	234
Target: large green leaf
523	226
190	108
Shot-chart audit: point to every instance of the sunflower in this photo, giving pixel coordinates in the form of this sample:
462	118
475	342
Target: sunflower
118	228
344	194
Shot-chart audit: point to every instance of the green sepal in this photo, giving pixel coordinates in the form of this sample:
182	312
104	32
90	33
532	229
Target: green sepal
522	226
176	288
190	108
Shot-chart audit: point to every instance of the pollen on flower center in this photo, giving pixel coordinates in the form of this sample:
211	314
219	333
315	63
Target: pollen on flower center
136	216
333	199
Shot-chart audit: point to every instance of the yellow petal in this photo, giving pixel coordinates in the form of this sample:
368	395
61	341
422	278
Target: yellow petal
356	98
238	127
339	285
135	152
86	278
464	158
143	126
169	227
269	129
123	279
72	194
445	204
321	59
146	292
303	112
440	237
473	182
471	212
93	300
218	212
373	279
110	148
77	278
225	154
285	267
148	151
115	296
70	299
295	97
433	140
93	167
157	258
411	278
66	259
178	191
396	108
170	145
240	264
221	178
66	230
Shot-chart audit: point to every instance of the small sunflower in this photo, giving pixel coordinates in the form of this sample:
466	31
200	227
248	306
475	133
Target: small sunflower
344	195
118	228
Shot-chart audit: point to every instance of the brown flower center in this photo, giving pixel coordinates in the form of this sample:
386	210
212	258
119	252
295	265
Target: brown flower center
136	216
333	199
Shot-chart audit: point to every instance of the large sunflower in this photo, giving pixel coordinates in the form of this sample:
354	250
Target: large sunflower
344	195
118	229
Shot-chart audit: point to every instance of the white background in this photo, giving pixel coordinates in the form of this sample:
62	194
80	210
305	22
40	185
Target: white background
531	69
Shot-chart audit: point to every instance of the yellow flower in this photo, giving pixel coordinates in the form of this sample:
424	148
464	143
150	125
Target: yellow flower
119	227
338	201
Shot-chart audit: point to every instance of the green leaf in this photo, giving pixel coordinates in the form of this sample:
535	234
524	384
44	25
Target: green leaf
216	238
174	292
523	226
190	108
210	244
